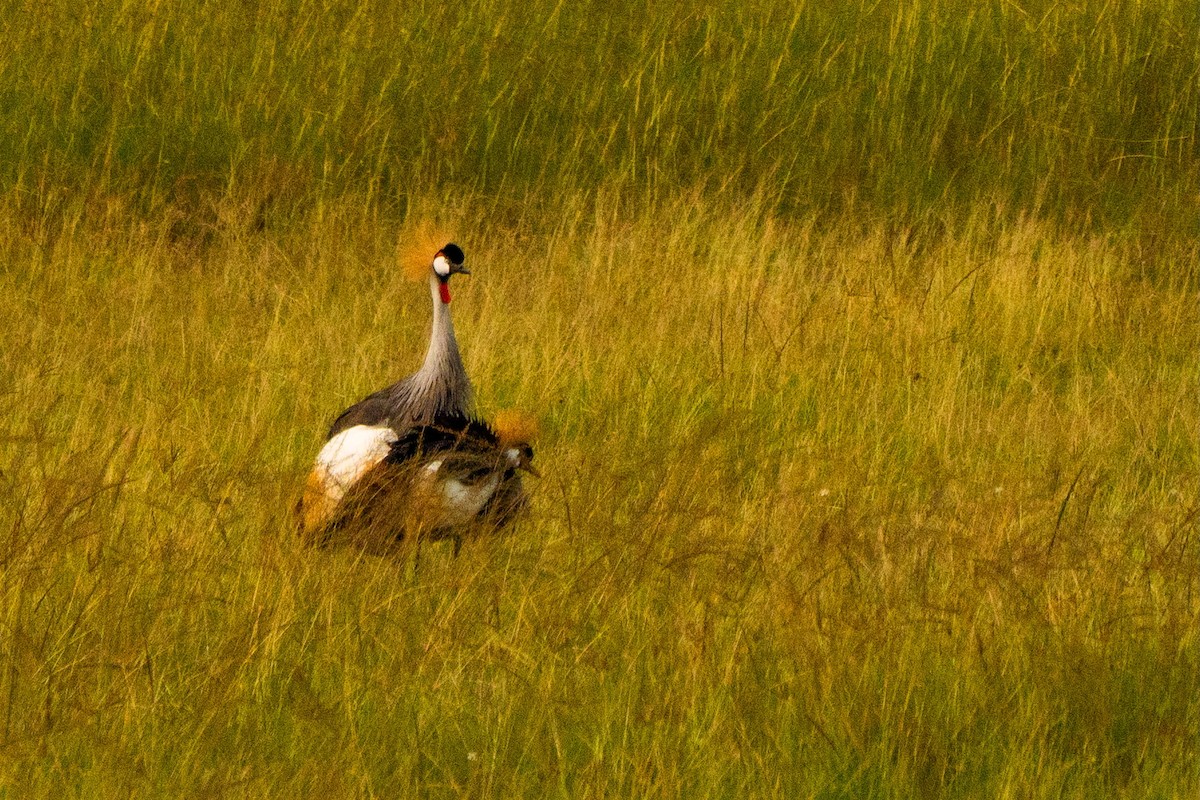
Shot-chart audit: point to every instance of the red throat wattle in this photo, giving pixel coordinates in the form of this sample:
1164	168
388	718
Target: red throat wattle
444	291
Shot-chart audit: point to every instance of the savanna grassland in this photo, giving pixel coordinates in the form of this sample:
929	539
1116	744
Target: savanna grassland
864	341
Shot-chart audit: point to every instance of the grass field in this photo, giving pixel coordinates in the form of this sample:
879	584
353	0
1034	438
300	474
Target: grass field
864	345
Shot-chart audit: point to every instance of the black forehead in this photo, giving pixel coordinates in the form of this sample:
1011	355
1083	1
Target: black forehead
454	253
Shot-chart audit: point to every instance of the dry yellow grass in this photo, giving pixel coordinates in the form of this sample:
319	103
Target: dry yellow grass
840	509
863	346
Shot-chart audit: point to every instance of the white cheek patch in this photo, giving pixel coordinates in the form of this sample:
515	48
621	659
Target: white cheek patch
441	265
345	457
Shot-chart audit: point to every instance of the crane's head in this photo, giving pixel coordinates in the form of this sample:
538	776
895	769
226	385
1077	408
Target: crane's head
413	253
521	457
447	262
516	430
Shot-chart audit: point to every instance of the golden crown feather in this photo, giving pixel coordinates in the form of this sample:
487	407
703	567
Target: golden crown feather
418	246
515	427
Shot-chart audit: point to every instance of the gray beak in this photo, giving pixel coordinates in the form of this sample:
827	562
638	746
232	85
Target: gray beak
528	466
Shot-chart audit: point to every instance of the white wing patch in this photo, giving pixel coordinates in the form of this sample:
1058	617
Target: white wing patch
345	457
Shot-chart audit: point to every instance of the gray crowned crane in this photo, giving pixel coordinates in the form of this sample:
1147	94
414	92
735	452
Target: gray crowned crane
437	481
410	459
363	434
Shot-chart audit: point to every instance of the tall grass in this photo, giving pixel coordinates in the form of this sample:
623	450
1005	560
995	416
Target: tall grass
1071	109
826	513
864	344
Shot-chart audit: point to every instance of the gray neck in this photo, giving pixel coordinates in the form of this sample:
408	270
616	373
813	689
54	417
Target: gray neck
441	384
442	356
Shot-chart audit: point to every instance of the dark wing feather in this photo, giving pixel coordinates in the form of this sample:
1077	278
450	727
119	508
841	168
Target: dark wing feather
385	407
371	410
446	433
